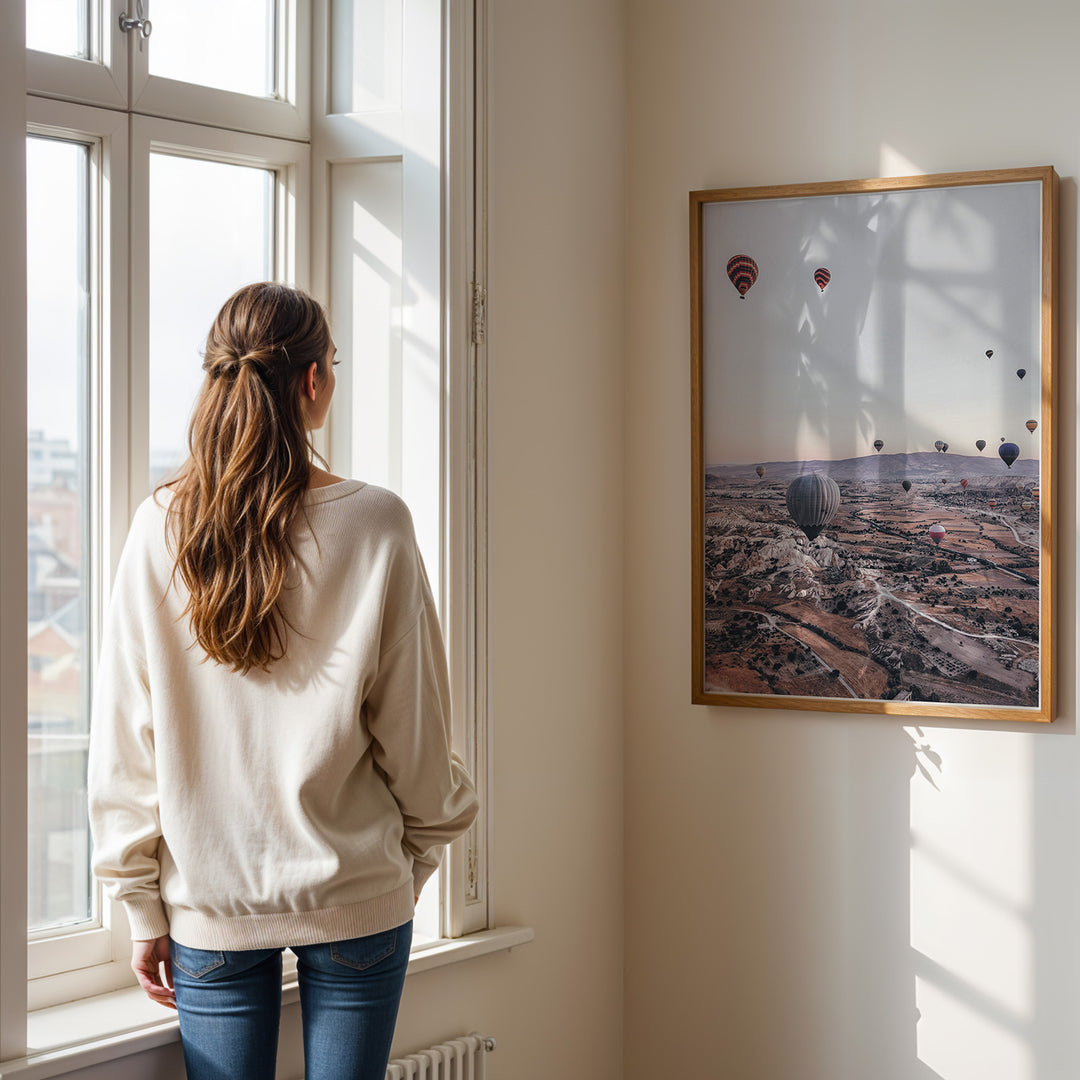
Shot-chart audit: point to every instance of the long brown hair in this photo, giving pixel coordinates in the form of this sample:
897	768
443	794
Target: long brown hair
238	495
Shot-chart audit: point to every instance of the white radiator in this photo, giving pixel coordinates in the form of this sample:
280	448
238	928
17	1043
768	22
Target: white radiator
456	1059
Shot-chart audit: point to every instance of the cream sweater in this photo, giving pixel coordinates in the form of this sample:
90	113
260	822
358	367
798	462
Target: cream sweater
304	805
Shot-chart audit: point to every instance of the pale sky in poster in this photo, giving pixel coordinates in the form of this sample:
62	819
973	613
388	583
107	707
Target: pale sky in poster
922	284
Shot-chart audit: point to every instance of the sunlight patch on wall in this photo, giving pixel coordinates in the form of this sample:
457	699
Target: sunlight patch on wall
893	163
971	901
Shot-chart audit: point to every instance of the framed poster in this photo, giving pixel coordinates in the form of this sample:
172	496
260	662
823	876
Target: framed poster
873	445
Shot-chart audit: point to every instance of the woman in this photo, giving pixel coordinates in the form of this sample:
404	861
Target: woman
270	759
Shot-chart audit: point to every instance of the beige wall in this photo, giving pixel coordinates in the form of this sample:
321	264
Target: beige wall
800	900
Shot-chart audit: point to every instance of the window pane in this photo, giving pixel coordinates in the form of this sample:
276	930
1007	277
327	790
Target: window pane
58	26
58	501
227	46
211	231
365	55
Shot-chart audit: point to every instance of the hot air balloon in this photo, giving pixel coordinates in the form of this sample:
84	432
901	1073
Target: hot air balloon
906	485
944	480
1027	506
944	447
743	272
939	446
937	533
989	353
1021	372
1008	452
879	445
1031	425
992	504
964	484
1034	493
812	501
980	445
760	470
821	276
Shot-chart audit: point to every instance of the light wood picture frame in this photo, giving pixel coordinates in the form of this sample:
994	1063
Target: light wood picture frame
873	427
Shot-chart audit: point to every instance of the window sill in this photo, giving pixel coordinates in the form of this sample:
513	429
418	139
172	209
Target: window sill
64	1038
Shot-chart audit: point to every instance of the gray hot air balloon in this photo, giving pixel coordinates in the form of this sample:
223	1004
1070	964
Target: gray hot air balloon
812	501
980	445
1008	452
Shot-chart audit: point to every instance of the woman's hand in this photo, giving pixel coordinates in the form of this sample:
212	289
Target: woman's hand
153	968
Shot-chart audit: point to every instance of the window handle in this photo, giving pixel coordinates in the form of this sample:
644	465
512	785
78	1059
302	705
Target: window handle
142	24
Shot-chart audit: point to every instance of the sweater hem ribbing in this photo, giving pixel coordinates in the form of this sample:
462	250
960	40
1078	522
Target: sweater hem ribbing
282	929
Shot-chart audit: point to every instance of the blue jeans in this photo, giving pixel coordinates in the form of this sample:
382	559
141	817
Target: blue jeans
230	1007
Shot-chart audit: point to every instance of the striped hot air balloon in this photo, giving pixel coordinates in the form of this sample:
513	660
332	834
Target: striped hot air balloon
812	501
743	272
879	445
1031	425
821	277
936	533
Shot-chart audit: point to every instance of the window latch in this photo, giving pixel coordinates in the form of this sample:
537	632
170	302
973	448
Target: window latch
142	24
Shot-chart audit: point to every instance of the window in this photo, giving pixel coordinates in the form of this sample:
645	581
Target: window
58	226
142	155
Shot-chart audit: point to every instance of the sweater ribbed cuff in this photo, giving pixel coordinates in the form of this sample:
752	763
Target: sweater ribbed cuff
146	918
421	872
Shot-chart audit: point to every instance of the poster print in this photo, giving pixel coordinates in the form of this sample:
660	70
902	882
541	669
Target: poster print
872	382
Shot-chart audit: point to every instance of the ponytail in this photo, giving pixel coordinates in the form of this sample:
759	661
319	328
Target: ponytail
242	489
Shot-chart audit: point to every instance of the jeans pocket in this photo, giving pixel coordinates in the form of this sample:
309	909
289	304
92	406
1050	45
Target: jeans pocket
364	952
195	962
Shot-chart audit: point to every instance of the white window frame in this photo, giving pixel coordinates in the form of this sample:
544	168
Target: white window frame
101	79
465	546
106	133
380	136
287	116
104	82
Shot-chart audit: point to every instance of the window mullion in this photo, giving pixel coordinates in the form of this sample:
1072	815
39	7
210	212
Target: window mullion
13	547
465	451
